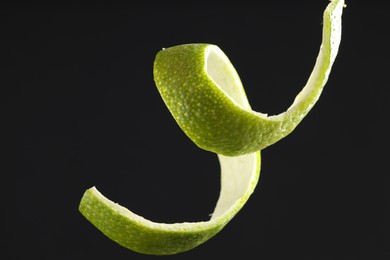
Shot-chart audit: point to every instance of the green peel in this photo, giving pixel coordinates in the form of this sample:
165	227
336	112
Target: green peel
187	73
239	176
204	94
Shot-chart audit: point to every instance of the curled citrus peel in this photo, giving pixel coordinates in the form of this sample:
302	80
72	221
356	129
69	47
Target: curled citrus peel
203	92
239	176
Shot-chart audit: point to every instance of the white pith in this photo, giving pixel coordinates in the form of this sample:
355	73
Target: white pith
332	45
222	72
224	75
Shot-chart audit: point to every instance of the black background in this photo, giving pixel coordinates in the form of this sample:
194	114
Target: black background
79	108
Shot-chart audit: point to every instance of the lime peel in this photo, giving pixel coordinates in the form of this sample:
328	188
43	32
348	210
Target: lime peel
239	176
204	93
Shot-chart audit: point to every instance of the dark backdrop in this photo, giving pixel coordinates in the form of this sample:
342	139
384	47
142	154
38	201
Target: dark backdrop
79	108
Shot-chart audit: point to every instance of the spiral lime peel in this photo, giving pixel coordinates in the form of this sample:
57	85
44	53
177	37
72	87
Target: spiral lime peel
203	92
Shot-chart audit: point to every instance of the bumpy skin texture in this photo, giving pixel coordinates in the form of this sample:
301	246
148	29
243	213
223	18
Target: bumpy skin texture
222	126
136	236
147	237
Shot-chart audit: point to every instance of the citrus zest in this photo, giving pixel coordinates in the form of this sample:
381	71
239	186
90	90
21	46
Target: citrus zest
204	93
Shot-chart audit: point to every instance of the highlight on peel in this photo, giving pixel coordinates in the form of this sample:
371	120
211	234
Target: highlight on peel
239	176
203	92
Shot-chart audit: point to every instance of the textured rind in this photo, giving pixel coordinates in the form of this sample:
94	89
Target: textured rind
135	235
147	237
191	88
222	126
